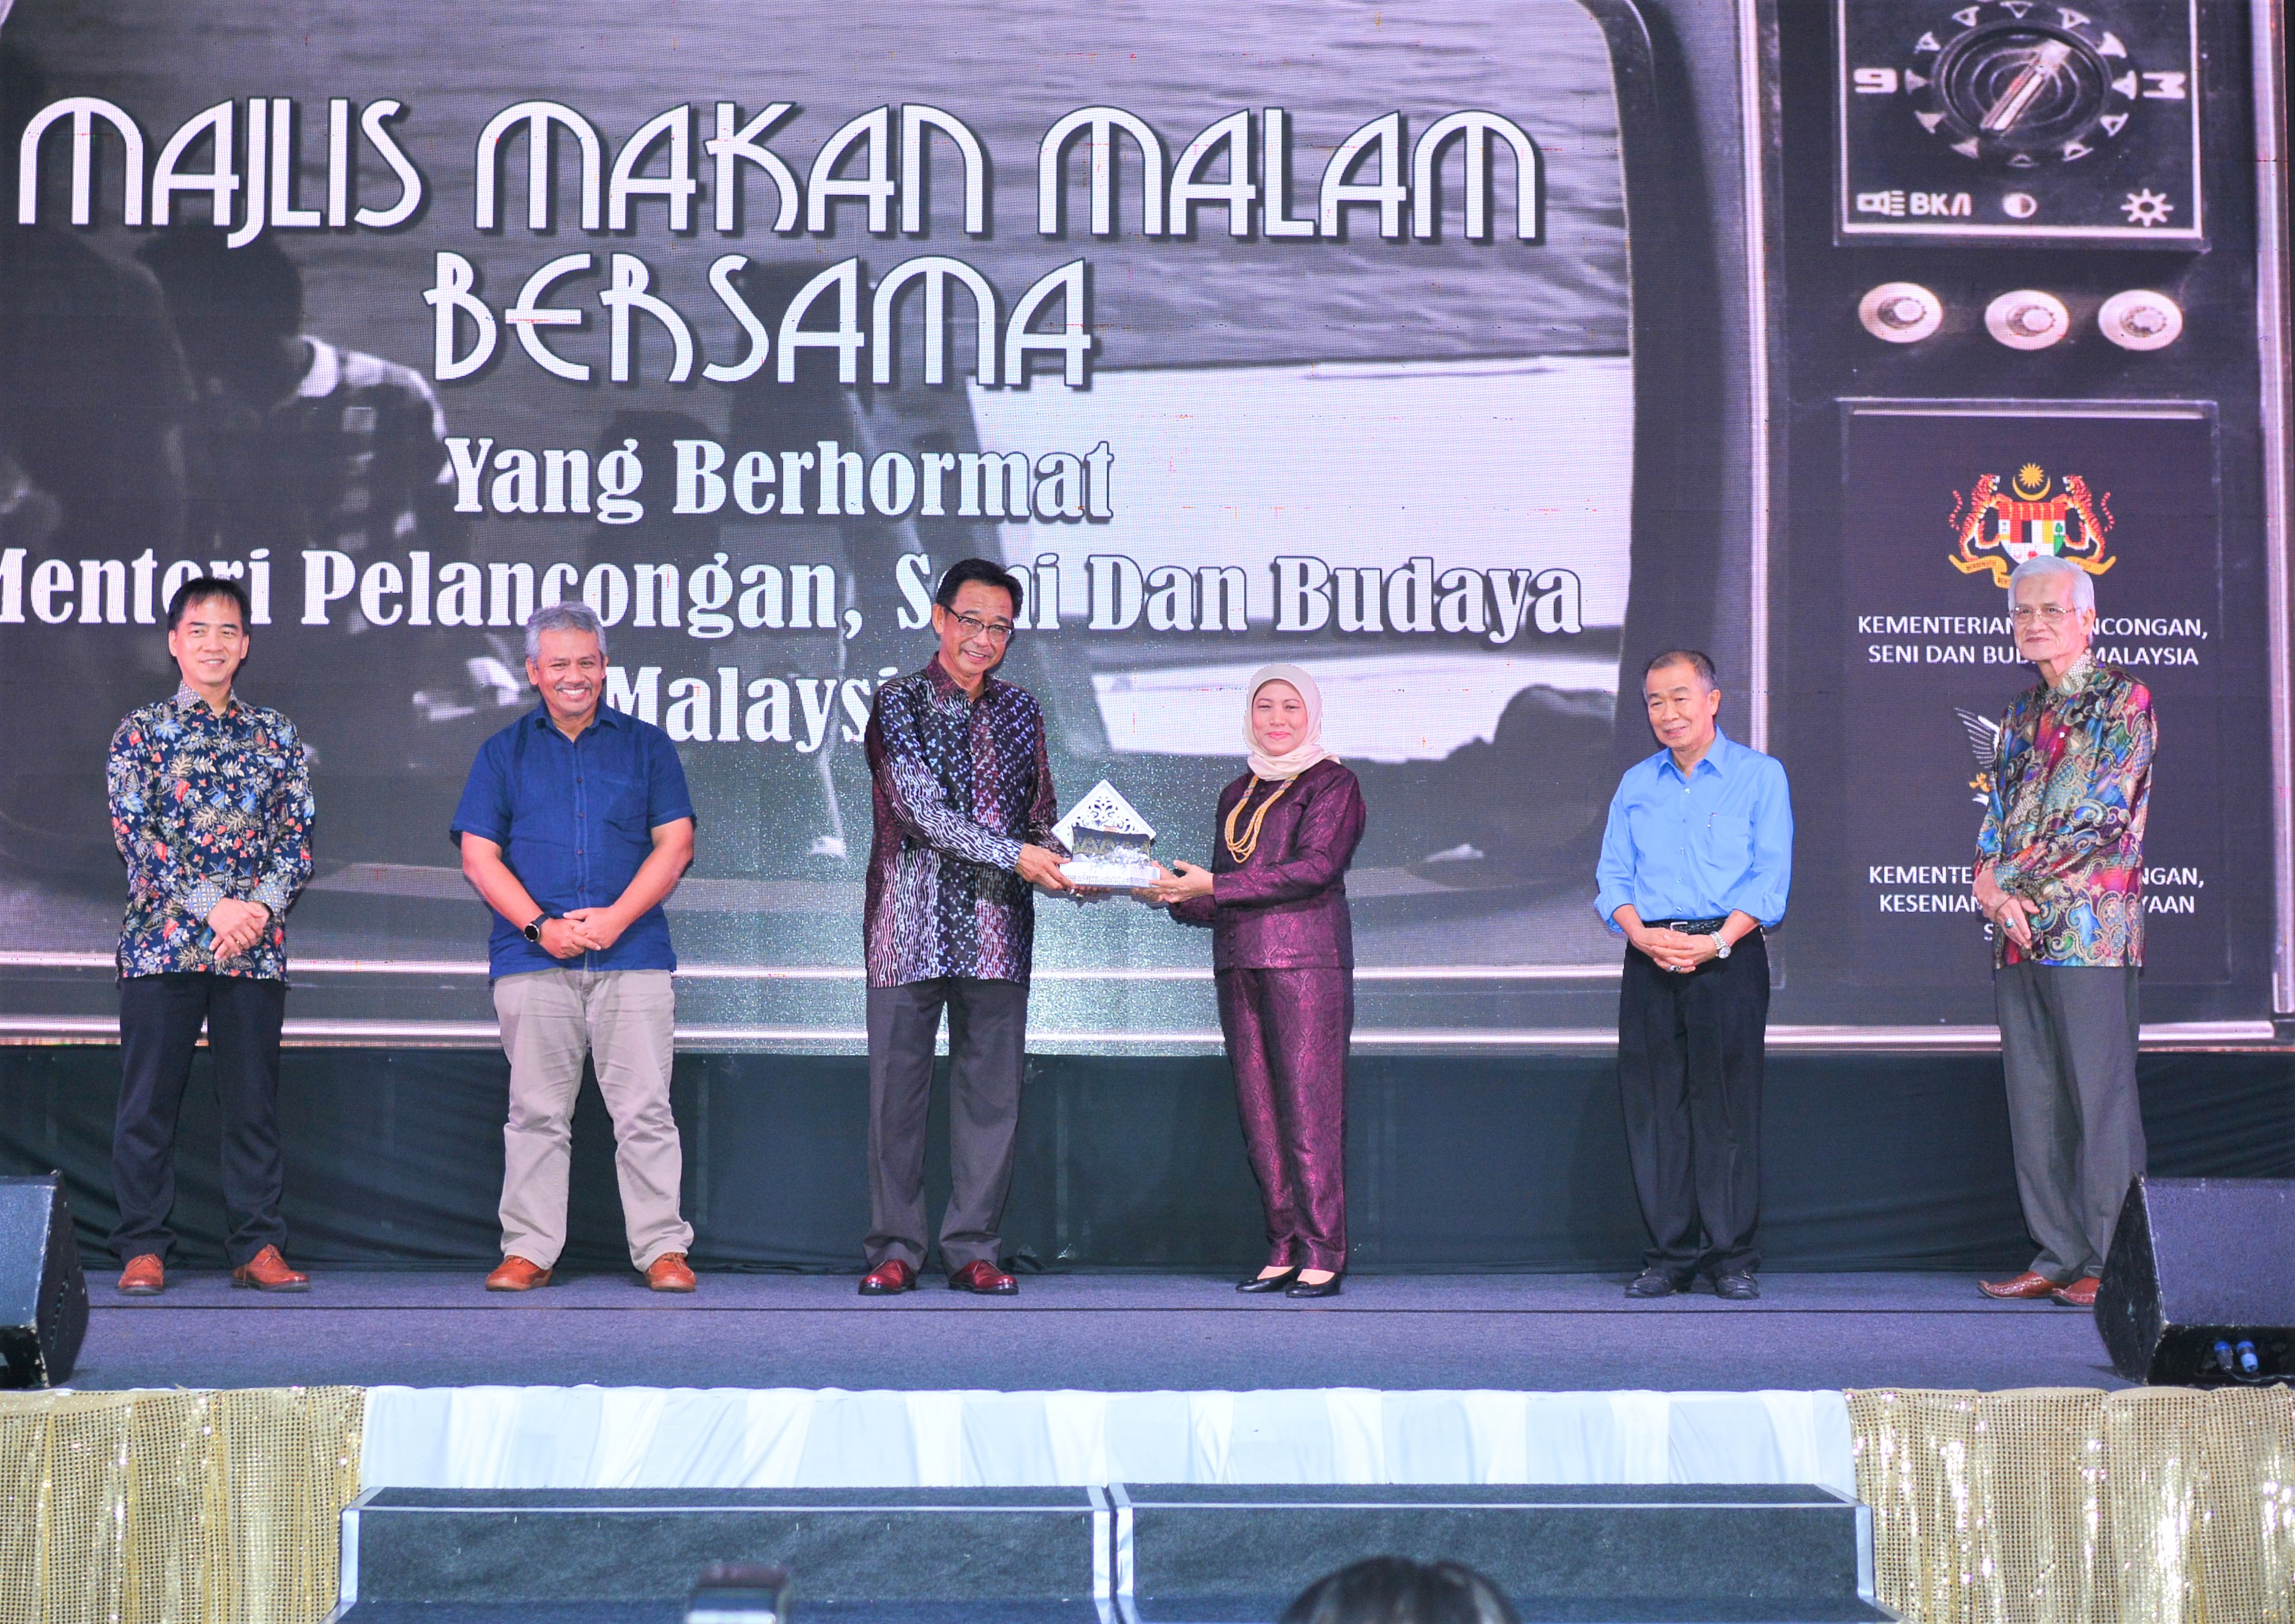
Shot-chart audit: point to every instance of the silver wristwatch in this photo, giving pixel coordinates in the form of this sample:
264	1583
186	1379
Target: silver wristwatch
1720	945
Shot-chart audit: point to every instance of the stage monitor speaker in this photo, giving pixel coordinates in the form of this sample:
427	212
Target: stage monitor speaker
2199	1287
42	1294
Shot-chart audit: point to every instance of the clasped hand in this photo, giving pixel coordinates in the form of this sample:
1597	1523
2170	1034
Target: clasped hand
584	930
1674	949
237	925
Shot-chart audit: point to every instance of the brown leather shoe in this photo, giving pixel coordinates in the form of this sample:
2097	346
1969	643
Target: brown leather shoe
267	1271
889	1278
2080	1294
145	1277
516	1275
668	1273
983	1279
2027	1287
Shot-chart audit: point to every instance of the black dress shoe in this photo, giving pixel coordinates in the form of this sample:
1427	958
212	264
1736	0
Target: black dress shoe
1736	1285
1653	1283
1270	1283
1300	1288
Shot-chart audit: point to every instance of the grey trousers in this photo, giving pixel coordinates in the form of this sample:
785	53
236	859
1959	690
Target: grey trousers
2067	1043
626	1019
988	1050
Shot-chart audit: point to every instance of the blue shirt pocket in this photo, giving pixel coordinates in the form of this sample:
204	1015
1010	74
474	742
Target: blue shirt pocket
620	802
1728	848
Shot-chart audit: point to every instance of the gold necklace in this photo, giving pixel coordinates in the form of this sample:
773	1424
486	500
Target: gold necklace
1241	850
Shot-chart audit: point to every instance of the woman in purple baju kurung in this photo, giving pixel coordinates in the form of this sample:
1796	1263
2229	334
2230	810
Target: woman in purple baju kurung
1283	955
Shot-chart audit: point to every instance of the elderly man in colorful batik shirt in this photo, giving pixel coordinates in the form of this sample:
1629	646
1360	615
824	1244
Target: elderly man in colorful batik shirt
2060	873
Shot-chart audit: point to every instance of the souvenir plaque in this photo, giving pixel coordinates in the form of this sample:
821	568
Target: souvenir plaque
1110	841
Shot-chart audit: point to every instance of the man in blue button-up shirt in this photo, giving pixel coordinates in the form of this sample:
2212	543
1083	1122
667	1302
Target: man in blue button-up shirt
574	824
1697	861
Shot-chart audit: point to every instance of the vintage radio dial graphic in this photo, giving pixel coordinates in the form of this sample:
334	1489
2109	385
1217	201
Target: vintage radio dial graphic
2019	119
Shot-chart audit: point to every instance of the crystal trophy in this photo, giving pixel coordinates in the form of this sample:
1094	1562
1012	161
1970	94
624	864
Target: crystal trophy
1110	842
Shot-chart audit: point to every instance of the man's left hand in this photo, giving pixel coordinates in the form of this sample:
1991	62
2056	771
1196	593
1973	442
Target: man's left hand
595	928
1703	950
1693	949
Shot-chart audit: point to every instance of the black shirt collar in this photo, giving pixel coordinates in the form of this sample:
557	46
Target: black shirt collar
945	688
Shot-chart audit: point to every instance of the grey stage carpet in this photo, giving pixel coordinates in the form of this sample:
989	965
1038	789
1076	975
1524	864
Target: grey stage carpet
1104	1332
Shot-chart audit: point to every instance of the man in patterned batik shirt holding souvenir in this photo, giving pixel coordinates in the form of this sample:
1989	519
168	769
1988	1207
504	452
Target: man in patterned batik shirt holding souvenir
964	816
211	807
2060	873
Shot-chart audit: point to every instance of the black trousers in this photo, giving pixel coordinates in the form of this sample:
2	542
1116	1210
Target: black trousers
988	1052
1689	1075
159	1022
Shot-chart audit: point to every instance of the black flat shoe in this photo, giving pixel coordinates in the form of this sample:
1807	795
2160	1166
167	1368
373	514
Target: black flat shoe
1271	1283
1300	1288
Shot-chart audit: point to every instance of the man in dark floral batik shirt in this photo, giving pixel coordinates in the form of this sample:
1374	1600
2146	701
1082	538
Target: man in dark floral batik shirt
2060	873
964	816
211	808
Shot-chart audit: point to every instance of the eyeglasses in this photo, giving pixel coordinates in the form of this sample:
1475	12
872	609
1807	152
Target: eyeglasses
994	631
2028	613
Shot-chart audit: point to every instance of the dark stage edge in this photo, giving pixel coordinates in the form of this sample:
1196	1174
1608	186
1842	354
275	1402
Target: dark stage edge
1107	1333
1159	1553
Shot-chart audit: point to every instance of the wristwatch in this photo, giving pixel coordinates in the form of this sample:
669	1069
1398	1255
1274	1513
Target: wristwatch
534	930
1720	945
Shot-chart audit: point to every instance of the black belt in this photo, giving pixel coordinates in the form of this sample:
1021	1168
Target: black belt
1690	927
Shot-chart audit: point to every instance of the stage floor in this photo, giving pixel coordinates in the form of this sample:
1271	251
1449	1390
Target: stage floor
1113	1333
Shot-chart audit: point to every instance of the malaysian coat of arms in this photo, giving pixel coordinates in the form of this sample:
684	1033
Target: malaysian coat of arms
1999	529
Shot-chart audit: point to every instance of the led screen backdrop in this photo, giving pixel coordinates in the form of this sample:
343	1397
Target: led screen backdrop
1293	332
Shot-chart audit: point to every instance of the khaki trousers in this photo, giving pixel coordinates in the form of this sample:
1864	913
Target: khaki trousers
550	1020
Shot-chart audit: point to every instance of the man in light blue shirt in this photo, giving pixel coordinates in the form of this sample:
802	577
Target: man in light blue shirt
1697	861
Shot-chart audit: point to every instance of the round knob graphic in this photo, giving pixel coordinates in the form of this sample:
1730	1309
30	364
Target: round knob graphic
2021	89
2027	319
2140	320
1901	312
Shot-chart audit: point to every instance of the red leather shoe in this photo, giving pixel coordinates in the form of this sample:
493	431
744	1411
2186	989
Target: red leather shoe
983	1279
2080	1294
668	1273
889	1278
267	1271
144	1276
2026	1287
516	1275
